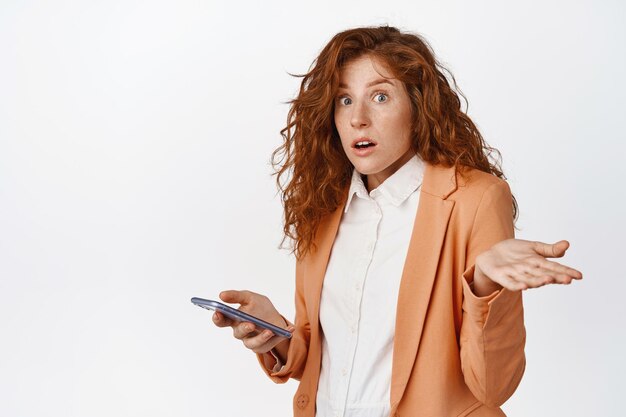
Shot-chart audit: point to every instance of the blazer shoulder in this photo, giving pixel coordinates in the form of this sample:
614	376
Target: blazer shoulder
472	183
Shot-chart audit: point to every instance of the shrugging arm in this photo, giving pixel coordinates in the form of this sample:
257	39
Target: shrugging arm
492	332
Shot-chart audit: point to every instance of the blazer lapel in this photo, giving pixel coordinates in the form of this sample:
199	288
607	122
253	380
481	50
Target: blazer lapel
418	275
317	263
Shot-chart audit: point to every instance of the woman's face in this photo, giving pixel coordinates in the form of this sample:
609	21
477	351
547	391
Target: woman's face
370	108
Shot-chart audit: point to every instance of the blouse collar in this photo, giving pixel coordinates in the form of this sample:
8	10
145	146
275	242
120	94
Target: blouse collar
397	188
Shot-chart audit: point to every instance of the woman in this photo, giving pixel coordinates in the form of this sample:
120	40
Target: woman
408	278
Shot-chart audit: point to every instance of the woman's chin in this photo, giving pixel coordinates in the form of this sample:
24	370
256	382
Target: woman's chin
366	167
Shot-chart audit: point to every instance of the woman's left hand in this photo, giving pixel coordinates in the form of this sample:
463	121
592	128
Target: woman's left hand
517	264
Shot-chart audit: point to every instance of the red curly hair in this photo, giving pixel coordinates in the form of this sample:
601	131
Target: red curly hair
312	152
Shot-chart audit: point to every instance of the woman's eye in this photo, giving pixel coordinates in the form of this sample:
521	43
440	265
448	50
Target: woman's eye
344	101
341	100
380	95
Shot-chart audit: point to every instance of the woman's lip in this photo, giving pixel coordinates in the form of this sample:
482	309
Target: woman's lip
354	142
363	151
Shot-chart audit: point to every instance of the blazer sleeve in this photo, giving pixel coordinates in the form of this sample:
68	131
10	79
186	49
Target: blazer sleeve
298	344
492	336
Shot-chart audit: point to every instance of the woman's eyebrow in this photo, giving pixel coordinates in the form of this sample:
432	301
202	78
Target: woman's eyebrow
375	82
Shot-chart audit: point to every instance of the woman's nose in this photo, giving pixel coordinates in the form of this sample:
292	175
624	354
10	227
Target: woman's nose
359	117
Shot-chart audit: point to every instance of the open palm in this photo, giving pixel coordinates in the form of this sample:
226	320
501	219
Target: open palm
518	264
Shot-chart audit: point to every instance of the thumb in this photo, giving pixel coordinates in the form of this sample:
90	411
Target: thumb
233	296
555	250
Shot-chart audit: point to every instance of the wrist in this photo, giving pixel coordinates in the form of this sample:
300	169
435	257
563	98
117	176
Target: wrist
483	285
280	350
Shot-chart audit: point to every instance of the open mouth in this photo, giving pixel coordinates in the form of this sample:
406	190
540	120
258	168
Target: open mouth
364	144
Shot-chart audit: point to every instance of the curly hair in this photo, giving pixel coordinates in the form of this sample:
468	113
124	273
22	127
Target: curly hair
312	152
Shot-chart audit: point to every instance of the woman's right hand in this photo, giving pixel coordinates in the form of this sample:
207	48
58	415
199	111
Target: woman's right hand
259	306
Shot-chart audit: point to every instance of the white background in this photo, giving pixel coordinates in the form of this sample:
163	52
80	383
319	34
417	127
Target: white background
135	139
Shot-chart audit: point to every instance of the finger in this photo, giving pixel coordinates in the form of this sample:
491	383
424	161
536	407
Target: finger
555	250
571	273
243	329
561	269
222	321
549	277
259	342
564	269
234	296
265	341
563	279
537	263
538	277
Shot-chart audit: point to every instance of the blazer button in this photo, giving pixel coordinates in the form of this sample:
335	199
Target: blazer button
302	401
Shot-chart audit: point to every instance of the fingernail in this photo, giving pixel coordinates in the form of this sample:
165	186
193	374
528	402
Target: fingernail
267	334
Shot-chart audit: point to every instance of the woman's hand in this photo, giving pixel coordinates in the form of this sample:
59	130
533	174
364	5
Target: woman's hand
517	264
259	306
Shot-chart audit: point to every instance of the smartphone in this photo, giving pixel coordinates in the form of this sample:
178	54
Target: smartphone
235	314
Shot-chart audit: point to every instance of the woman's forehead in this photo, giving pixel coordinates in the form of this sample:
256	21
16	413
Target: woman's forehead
366	68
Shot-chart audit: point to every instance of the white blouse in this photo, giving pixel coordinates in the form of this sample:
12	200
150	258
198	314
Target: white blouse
360	293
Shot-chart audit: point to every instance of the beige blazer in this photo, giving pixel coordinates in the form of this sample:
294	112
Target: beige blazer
454	354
